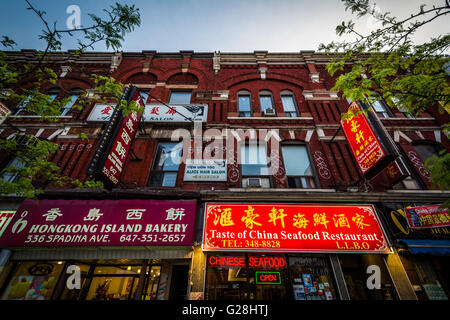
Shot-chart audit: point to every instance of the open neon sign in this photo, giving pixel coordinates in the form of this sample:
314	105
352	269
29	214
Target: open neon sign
267	277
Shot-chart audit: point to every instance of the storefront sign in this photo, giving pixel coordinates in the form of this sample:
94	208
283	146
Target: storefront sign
266	262
5	218
53	223
156	113
363	142
267	277
288	227
427	217
121	146
205	170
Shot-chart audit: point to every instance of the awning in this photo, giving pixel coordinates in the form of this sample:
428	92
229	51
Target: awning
427	246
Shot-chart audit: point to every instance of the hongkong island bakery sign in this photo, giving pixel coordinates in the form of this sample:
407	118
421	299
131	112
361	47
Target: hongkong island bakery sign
289	227
100	223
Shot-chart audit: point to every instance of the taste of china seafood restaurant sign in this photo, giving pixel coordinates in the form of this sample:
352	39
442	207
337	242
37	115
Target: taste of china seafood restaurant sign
50	223
289	227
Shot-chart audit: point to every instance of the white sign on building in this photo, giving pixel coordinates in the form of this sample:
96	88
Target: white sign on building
156	113
205	170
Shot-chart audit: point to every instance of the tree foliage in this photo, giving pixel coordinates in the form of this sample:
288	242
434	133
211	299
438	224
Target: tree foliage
386	63
35	171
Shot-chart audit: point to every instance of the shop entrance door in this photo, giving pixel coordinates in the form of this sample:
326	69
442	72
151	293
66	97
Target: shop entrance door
179	282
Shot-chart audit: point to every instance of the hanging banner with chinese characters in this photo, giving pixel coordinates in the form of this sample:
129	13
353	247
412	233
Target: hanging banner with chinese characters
288	227
62	223
363	142
156	113
427	217
117	156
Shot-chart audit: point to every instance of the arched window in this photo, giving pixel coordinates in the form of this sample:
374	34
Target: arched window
266	100
298	166
244	103
289	105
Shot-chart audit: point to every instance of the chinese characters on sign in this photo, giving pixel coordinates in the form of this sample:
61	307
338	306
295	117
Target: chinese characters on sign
117	156
93	222
427	217
365	146
156	113
280	227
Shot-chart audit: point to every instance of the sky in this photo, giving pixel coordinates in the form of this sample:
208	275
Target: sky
210	25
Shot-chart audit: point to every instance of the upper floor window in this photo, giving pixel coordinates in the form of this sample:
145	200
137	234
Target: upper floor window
265	100
410	115
11	176
254	164
381	109
166	164
73	97
427	150
244	104
298	166
288	101
180	97
144	95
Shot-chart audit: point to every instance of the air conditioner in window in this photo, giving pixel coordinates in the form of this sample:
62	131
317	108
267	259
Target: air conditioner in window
254	182
269	112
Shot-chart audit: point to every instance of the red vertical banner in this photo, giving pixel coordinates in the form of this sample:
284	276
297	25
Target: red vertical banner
118	154
363	142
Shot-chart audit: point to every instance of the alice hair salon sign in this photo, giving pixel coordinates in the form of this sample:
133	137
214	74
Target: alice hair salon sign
205	170
51	223
156	113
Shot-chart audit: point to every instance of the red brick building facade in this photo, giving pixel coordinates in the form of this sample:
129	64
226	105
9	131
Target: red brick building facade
303	118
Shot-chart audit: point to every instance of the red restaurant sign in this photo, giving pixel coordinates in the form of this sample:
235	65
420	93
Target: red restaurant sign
288	227
63	223
365	146
427	217
118	154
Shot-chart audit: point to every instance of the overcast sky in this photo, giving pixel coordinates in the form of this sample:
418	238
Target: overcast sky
210	25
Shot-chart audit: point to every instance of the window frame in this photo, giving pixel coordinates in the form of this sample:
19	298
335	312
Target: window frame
311	163
76	92
266	93
180	91
153	171
246	176
289	93
243	114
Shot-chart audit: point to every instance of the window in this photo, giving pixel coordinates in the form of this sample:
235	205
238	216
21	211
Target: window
74	94
265	100
409	183
410	115
144	96
12	176
298	168
165	167
426	151
254	163
288	101
381	109
180	97
244	104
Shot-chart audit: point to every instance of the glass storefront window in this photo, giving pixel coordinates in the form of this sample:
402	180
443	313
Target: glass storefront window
268	276
427	276
33	280
151	290
112	288
226	277
354	268
311	278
